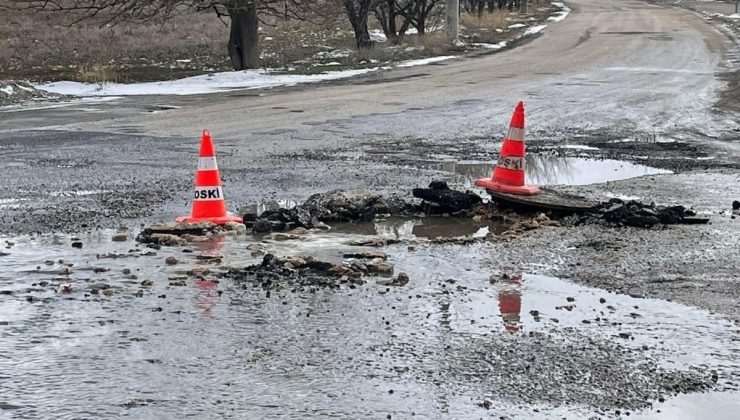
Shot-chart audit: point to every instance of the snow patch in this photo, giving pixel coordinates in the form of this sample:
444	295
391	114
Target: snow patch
534	29
485	46
517	25
207	83
423	61
377	35
341	53
734	16
8	90
562	14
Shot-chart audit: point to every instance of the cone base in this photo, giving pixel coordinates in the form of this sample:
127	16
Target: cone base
220	220
490	184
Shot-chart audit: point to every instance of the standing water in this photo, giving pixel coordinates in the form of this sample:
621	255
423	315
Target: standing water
546	169
157	348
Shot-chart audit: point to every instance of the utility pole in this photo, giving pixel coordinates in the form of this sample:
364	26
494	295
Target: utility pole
737	6
524	7
453	20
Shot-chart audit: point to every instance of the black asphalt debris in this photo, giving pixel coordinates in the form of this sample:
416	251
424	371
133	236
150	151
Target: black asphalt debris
446	200
637	214
330	207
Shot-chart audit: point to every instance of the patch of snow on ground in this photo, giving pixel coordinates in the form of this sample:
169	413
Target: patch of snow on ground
734	16
8	90
534	29
341	53
485	46
207	83
377	35
422	61
517	25
562	14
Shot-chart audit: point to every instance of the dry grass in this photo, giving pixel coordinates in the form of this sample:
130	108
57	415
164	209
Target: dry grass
487	21
285	42
97	74
44	46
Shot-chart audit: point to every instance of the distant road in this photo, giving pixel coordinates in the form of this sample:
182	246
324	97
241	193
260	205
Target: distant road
613	66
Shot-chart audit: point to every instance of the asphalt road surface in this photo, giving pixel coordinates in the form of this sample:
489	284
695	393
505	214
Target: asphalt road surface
436	348
624	67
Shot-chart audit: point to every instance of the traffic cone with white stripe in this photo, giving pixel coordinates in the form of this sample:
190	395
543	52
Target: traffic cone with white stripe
508	175
208	202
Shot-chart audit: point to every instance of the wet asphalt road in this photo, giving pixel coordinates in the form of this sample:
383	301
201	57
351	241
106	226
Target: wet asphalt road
617	66
613	69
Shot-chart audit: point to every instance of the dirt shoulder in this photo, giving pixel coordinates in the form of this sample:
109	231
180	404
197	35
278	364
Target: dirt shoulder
195	43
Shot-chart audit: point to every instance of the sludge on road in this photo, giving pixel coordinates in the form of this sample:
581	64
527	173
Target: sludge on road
499	313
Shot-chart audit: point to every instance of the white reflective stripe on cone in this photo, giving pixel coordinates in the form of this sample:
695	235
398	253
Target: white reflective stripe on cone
516	134
511	162
208	194
207	163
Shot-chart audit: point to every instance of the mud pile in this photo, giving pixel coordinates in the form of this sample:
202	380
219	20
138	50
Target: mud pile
440	199
302	274
617	212
178	234
17	92
319	209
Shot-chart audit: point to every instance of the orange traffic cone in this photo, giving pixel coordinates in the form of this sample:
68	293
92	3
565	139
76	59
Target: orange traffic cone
208	203
508	175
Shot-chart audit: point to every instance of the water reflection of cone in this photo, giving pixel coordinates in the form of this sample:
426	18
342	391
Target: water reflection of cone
510	303
208	202
508	175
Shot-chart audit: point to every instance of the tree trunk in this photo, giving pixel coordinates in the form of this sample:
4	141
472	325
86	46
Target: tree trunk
357	11
392	22
362	36
243	37
385	13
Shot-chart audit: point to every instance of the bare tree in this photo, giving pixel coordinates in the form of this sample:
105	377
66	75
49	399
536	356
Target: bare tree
357	13
243	45
421	11
414	13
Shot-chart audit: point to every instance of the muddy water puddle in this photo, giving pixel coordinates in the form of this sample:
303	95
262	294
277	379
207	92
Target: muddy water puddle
209	349
546	169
